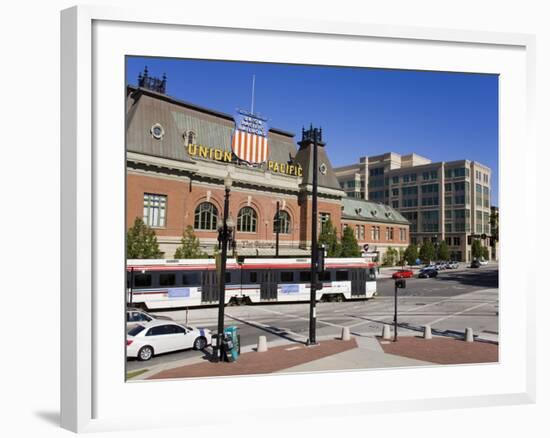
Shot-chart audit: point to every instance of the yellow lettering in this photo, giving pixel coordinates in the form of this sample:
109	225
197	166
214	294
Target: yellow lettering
291	169
227	156
283	168
203	152
210	153
299	170
276	167
270	165
192	149
218	154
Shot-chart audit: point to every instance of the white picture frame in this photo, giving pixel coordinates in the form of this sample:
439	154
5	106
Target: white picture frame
93	39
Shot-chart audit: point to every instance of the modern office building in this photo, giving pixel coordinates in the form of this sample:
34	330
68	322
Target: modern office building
178	155
444	201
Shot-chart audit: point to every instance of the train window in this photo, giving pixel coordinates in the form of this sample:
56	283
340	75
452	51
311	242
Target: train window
228	277
305	276
287	276
371	274
142	280
324	276
190	278
167	279
253	277
342	275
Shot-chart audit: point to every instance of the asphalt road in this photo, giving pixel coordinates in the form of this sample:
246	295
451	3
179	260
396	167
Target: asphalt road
449	303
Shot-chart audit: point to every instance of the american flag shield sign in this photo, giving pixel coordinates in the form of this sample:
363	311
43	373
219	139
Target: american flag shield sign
250	138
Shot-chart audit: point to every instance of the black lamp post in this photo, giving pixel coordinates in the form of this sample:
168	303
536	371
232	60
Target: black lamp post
225	231
277	230
315	136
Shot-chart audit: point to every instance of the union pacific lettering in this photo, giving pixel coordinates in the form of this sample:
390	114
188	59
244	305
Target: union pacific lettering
217	154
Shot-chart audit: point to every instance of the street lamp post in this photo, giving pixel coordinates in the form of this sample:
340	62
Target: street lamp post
224	236
278	229
314	252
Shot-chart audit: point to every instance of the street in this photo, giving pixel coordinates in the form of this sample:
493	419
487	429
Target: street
449	303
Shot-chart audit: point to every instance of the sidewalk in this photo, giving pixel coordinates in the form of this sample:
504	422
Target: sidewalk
361	352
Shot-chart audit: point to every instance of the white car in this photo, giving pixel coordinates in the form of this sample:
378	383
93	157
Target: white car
483	262
145	340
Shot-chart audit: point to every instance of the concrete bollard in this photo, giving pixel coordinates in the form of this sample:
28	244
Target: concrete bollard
469	335
386	332
345	334
262	344
427	332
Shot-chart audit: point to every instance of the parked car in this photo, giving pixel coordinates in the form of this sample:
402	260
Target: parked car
427	273
138	315
452	264
147	339
483	262
402	273
475	264
441	265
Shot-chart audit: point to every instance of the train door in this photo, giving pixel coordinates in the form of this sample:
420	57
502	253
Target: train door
210	292
358	279
268	285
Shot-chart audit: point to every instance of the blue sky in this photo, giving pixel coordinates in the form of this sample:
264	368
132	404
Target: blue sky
442	116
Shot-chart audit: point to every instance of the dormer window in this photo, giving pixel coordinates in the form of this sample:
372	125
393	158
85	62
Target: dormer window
190	137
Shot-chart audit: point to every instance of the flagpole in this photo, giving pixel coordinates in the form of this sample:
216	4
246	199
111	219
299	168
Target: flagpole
252	104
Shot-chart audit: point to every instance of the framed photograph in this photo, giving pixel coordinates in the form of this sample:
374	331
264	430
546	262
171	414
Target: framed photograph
252	209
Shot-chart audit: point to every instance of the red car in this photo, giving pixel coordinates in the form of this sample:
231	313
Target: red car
403	273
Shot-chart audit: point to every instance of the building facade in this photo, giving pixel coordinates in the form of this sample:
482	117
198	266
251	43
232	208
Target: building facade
178	155
443	201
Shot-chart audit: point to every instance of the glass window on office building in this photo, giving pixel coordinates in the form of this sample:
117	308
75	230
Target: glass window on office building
154	210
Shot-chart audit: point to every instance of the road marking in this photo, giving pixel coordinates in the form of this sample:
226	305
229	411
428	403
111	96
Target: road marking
458	313
300	317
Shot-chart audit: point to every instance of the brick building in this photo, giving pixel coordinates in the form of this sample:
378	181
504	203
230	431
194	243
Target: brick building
178	155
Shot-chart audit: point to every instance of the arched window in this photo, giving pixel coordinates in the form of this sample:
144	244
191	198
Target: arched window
247	220
206	216
191	137
284	222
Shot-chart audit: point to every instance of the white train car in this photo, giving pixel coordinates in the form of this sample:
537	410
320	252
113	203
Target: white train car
159	284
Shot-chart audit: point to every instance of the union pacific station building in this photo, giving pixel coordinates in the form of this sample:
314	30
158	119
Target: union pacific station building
180	157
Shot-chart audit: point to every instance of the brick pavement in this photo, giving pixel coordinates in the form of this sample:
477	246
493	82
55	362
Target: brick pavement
442	350
275	359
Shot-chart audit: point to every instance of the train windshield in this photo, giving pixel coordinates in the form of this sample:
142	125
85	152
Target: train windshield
371	274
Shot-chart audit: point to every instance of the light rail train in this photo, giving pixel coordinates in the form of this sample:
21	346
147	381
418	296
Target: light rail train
158	284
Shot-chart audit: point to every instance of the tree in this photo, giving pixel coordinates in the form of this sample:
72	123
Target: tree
411	254
427	252
485	252
329	238
443	251
190	246
477	250
390	257
349	247
141	242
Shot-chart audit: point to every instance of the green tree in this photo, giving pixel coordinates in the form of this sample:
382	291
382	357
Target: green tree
427	252
190	246
443	251
390	257
477	250
411	254
350	248
329	238
141	242
485	252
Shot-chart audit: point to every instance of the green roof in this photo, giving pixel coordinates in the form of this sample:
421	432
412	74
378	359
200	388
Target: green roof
370	211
